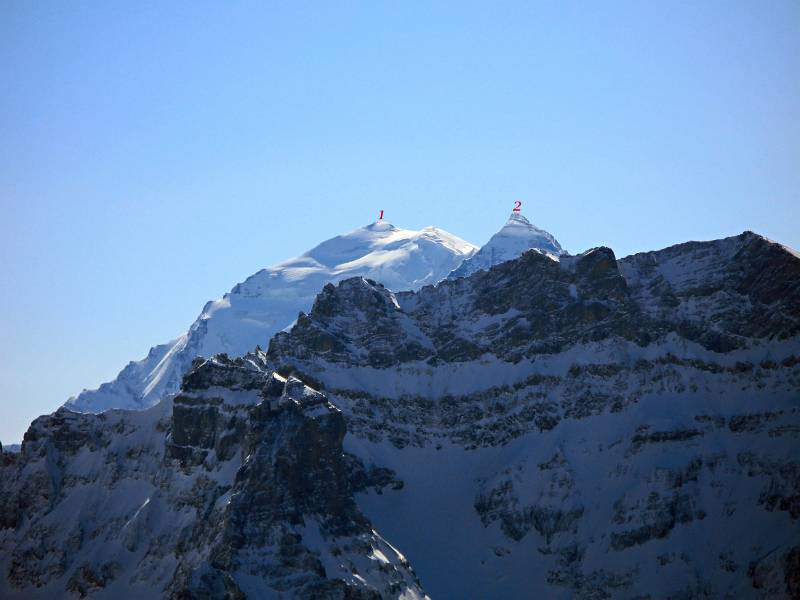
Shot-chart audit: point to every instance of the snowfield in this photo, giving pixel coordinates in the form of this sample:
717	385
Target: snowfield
271	299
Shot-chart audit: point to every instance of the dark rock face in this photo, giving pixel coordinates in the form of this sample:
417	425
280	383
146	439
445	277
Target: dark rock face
636	402
373	477
659	437
657	518
360	322
741	287
557	508
245	489
792	573
585	427
710	293
716	294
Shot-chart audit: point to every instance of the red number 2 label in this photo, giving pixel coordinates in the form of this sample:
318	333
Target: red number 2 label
517	205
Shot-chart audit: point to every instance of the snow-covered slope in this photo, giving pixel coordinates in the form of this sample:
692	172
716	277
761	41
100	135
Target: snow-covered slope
270	300
517	236
578	427
553	427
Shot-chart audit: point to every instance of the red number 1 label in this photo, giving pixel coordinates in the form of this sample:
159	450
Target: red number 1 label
381	217
517	205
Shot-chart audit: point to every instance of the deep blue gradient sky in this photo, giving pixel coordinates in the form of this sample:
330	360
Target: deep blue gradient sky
152	155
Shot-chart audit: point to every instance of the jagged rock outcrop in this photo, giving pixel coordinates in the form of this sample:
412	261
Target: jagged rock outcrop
541	305
555	426
596	417
236	489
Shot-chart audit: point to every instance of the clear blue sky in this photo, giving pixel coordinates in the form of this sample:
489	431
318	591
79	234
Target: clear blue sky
152	155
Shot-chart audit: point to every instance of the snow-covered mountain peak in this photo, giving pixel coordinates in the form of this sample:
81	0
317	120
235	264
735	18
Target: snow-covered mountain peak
270	300
518	219
592	418
518	225
380	225
379	240
517	236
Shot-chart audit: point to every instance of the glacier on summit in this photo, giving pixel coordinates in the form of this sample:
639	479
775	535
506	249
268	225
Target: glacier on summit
271	299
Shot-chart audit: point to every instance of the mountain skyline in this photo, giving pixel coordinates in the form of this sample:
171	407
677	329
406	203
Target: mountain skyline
563	426
143	172
400	301
271	299
153	366
268	301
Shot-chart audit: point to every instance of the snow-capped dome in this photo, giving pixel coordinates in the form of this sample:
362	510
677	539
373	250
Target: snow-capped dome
269	301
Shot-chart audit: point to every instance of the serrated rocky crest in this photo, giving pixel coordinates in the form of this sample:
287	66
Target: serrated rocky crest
596	415
553	426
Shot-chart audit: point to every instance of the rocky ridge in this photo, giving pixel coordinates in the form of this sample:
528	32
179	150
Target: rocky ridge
599	414
560	426
236	488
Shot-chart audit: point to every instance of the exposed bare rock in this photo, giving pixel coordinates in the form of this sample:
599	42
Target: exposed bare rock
237	489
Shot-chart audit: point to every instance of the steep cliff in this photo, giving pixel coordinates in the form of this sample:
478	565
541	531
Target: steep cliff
573	426
236	488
